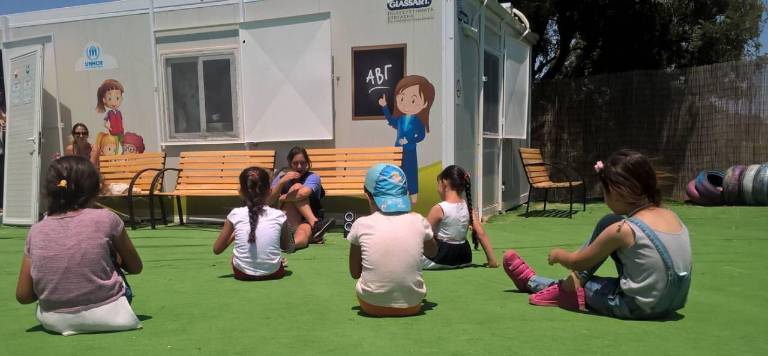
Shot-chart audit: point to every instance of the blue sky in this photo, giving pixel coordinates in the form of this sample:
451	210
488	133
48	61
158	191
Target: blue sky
13	6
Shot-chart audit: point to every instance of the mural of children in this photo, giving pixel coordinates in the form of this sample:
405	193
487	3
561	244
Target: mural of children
107	144
414	96
132	143
109	96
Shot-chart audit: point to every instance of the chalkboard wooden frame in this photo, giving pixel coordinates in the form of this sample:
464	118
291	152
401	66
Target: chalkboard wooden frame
404	46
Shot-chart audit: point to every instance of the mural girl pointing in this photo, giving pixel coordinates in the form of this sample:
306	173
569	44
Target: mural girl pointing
414	96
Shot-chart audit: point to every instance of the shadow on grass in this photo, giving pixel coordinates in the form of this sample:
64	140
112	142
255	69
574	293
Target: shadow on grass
40	328
551	213
426	306
232	276
671	317
473	265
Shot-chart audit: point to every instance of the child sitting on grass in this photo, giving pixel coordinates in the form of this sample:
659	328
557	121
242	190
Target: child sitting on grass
70	258
257	231
386	247
450	220
650	247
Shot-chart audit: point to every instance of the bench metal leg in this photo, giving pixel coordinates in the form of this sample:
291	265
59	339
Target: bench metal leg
570	209
152	212
131	217
181	214
162	210
546	192
528	203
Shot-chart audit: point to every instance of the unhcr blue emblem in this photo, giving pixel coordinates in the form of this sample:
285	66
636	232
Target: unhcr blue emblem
93	58
407	4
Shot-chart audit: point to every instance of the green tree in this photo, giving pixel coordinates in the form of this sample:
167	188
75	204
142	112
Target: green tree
588	37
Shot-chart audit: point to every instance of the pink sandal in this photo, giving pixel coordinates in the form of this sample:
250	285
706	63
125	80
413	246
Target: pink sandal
518	270
555	296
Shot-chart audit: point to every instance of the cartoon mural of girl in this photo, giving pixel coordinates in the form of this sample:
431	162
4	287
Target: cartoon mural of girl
107	144
109	96
414	96
133	143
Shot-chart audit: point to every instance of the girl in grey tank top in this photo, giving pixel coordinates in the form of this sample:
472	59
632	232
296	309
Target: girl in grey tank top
649	245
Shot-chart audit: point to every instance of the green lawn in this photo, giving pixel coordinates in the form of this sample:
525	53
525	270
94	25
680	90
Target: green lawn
191	305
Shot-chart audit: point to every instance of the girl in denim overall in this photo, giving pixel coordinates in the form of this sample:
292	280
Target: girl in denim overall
648	243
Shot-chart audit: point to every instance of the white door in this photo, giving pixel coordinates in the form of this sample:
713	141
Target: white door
24	84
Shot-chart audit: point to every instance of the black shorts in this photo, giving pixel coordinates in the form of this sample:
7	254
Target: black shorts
449	254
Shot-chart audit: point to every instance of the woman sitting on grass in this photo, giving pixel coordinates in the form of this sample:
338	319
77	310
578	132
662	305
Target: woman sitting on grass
450	220
74	256
298	192
650	247
257	231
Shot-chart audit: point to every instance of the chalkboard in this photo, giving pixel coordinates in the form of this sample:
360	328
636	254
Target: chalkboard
375	72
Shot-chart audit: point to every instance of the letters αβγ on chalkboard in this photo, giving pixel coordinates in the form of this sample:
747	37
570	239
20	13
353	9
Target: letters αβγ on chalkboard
375	72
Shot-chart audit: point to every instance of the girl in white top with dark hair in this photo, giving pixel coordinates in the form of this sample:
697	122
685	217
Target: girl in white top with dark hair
257	231
451	219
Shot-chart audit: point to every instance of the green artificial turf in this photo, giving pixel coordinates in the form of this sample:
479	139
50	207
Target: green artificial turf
191	305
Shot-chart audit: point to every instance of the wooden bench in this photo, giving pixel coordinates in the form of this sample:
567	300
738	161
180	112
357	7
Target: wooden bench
212	174
130	170
538	175
342	170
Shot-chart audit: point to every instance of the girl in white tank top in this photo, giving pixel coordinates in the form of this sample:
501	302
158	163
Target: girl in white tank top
451	219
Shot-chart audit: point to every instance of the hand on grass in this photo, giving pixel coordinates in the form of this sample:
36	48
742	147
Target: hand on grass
492	264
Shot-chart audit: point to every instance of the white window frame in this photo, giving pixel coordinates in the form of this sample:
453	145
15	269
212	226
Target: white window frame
170	136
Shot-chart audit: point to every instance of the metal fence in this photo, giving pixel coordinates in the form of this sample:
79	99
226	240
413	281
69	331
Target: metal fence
686	120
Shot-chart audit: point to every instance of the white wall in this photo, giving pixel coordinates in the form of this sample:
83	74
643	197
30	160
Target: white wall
127	39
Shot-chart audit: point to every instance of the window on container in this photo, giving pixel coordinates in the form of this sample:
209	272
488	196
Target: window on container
491	94
201	97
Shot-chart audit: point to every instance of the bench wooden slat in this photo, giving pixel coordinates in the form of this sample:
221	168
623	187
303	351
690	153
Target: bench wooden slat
358	157
349	185
340	173
132	156
133	169
135	162
207	179
205	193
354	179
536	168
362	164
228	159
199	173
532	155
197	186
222	166
539	179
251	153
345	192
532	161
319	151
538	174
530	150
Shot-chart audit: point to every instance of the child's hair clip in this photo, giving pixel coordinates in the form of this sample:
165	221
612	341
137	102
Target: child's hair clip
62	184
599	166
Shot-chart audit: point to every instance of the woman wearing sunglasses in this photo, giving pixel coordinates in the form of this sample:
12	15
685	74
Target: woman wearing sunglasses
79	145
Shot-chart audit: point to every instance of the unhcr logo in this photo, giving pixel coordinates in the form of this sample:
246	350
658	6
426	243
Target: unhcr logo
94	58
92	51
